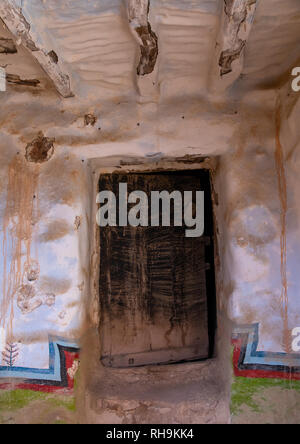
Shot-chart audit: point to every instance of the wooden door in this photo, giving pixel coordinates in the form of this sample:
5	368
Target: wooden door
153	281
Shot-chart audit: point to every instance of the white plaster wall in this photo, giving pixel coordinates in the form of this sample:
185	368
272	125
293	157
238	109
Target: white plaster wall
253	257
248	217
54	234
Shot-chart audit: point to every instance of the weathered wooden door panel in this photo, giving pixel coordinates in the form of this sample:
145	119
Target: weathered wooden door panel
153	291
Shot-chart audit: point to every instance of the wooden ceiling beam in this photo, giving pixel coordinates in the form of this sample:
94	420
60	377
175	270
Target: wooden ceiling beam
146	38
17	24
236	23
138	11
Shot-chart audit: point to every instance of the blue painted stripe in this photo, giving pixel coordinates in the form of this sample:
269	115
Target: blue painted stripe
53	373
252	356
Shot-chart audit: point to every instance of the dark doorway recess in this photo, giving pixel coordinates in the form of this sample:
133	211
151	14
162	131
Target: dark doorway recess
157	286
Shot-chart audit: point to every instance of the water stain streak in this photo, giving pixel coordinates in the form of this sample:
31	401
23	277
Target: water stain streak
20	211
282	190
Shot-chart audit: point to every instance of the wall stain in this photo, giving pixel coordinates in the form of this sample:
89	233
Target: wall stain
16	80
282	190
40	149
54	285
237	14
55	230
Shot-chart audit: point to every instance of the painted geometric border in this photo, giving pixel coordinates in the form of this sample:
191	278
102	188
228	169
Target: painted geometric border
248	362
62	354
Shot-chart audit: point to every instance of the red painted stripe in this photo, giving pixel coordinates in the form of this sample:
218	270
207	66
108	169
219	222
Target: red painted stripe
258	373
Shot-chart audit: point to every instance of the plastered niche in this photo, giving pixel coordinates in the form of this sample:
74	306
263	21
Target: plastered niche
143	394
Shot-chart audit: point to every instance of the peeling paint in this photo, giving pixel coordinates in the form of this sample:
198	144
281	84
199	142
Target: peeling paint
90	120
227	58
53	56
235	15
149	50
138	11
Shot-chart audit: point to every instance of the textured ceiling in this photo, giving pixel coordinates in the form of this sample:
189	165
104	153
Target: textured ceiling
274	43
93	39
